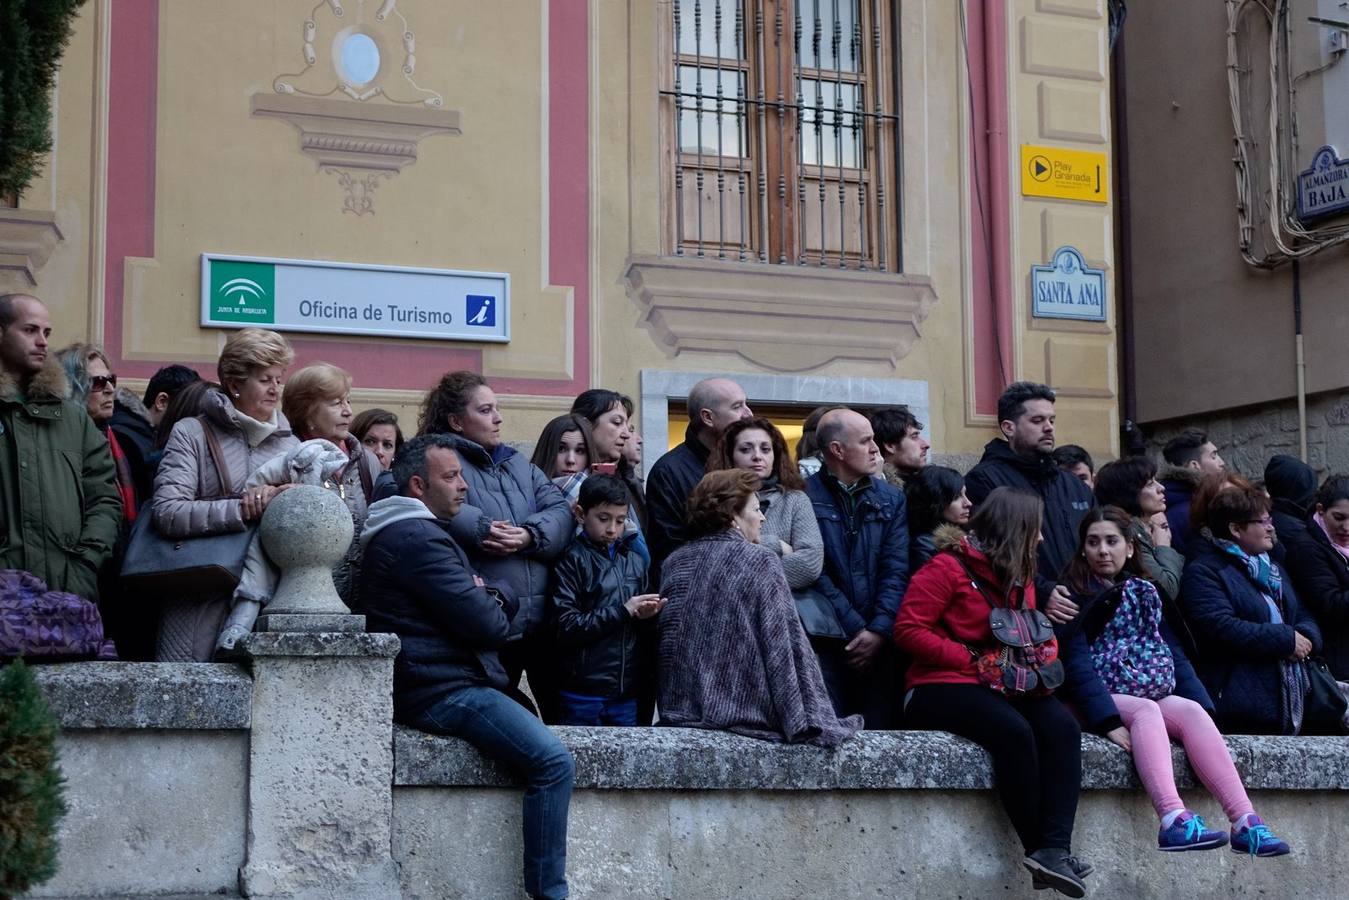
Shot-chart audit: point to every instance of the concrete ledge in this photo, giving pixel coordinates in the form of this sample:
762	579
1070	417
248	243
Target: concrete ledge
170	696
686	759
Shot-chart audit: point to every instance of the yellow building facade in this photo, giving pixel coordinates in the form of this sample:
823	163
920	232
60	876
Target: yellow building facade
821	198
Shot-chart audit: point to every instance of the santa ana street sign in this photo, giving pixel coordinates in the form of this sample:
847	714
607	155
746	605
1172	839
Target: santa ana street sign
351	298
1068	288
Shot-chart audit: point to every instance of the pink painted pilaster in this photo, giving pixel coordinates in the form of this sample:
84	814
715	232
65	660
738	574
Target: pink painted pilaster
990	203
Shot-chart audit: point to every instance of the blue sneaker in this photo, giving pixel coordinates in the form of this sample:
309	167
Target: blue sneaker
1257	840
1187	832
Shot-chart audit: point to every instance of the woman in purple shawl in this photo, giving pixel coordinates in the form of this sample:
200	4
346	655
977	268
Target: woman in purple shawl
733	655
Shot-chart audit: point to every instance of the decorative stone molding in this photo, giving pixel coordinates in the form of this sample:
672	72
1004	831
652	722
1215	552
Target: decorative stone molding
785	318
343	134
360	190
27	239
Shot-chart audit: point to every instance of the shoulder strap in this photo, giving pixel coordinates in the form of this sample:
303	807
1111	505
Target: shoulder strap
975	581
222	469
367	483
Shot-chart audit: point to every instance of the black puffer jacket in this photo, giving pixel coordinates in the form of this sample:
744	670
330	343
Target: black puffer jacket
416	582
1321	575
1065	497
504	486
1240	646
672	479
597	638
136	437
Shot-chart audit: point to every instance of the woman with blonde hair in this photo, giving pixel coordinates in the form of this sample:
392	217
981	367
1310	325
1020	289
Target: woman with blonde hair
317	402
190	499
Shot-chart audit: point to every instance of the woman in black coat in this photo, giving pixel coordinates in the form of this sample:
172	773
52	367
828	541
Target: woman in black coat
1249	628
1319	564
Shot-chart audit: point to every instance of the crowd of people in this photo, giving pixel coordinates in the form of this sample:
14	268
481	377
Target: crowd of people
795	597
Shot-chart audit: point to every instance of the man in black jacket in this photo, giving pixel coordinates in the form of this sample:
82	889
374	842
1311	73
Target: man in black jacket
1022	458
714	403
417	583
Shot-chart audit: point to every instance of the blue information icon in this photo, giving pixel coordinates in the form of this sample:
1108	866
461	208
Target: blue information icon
481	310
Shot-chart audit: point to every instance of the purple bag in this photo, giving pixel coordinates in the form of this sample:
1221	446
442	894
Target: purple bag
48	626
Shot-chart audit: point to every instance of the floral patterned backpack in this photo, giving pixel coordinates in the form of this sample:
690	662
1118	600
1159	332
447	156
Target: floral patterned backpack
1129	653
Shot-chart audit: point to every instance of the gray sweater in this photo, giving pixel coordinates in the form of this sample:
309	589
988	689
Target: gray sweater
789	516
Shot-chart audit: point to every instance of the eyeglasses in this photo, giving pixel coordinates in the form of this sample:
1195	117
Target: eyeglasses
99	382
1265	521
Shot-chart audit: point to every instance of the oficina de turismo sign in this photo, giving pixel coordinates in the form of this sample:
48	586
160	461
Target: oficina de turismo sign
352	298
1323	190
1068	288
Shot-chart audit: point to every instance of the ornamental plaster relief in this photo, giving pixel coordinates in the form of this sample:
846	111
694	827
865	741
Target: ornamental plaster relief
359	113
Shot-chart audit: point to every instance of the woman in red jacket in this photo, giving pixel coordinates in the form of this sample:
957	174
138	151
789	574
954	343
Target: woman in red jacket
1035	742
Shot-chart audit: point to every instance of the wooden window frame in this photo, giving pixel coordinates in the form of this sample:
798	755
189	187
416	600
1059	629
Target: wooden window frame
770	184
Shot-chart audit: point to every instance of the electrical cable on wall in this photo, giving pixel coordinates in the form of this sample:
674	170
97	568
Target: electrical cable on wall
1291	238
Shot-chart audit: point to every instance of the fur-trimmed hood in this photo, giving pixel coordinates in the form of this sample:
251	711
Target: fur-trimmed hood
948	537
48	385
1183	475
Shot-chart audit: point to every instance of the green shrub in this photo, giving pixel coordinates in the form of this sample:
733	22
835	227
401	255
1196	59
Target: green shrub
31	802
33	33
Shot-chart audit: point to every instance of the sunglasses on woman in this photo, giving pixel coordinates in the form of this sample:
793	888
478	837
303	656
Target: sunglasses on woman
99	382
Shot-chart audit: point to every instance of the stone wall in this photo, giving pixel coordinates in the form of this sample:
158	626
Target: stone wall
173	773
1248	437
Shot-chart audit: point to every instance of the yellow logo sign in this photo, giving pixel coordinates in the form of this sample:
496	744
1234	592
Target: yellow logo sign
1064	174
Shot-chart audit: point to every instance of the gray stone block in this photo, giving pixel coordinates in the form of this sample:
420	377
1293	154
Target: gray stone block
302	622
329	643
178	696
320	757
151	812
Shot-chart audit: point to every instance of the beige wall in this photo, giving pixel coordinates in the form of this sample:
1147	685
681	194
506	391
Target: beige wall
234	182
1210	331
1058	52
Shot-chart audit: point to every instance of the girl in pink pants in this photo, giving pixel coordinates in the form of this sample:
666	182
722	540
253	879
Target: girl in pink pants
1130	681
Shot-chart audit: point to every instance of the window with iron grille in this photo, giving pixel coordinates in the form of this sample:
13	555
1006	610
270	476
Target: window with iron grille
782	132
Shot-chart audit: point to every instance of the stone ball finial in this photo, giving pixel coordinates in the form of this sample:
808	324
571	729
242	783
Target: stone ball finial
306	531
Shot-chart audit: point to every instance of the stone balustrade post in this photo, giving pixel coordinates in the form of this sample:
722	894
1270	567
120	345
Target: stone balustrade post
320	799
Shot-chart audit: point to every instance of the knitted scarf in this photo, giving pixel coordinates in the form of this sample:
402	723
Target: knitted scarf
1266	577
126	484
1339	548
1259	569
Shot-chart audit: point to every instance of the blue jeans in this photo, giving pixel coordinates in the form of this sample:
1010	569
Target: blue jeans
582	709
505	731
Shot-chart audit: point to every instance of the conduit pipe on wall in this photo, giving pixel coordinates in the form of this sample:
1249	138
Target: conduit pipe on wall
1301	362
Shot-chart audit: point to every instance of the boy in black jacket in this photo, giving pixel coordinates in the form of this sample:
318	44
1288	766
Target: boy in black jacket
598	601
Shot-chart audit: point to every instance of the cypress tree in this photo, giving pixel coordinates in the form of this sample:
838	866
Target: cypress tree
33	33
31	802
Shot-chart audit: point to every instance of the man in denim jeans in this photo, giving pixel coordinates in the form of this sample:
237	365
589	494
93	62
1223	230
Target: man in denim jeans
417	583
